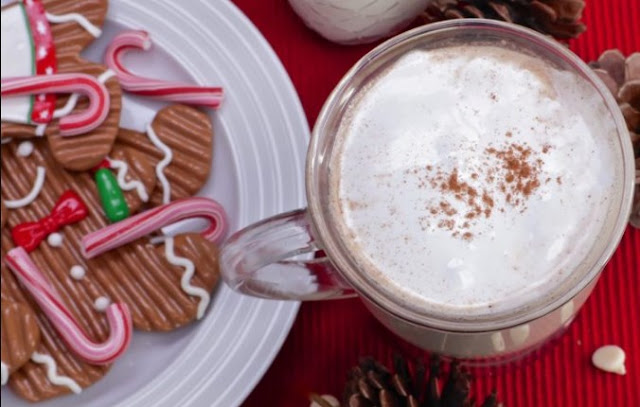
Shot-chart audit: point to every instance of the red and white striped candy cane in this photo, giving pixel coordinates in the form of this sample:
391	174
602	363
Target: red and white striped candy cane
118	315
155	88
135	227
76	123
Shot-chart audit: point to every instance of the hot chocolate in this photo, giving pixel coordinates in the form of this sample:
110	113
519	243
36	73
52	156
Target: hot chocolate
472	180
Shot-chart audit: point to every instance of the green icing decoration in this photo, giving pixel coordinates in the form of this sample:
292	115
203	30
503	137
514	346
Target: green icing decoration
111	196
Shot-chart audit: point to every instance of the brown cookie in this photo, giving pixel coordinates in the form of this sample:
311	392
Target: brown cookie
85	151
31	380
152	289
137	274
138	170
188	133
69	38
20	334
141	286
4	214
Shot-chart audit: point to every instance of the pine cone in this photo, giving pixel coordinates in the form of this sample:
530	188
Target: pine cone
558	18
622	77
371	384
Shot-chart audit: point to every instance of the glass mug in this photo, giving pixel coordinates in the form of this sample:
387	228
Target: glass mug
300	256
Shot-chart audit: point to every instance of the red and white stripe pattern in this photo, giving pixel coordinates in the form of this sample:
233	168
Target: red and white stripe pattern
44	53
158	89
76	123
118	315
135	227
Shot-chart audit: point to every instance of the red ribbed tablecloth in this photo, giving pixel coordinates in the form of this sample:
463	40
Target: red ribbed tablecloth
329	337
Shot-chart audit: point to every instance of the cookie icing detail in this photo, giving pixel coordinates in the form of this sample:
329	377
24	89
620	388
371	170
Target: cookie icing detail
123	169
52	372
32	195
25	149
55	239
77	272
185	280
168	156
101	304
81	20
69	329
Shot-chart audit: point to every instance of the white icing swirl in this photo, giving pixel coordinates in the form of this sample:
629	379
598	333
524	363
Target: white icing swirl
106	75
4	374
168	156
25	149
55	239
68	107
185	281
32	195
77	18
123	168
52	372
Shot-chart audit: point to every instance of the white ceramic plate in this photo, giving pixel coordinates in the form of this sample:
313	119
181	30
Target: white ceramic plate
261	137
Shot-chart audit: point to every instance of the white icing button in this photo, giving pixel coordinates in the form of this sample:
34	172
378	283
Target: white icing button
101	303
55	240
333	402
610	358
77	272
25	149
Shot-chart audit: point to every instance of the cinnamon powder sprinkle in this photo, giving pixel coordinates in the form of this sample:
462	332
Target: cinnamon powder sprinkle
510	173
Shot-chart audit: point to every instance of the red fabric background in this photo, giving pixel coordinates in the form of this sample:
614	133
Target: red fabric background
329	337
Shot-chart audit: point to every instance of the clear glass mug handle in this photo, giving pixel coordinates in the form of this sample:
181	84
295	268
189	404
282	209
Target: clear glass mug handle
278	258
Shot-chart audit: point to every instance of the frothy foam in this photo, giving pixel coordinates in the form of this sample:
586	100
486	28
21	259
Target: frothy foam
473	180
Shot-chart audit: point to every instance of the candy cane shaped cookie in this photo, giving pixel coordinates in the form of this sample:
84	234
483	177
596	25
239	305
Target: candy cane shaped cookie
118	315
158	89
73	124
135	227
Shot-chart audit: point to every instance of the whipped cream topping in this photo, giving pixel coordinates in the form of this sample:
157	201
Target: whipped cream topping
473	180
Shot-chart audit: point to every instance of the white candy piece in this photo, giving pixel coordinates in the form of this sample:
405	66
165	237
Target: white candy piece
329	399
610	358
25	149
55	239
101	304
77	272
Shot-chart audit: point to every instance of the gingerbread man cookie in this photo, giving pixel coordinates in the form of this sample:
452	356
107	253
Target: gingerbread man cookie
165	281
48	89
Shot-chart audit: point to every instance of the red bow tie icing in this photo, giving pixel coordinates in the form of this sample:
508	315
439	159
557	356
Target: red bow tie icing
69	209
